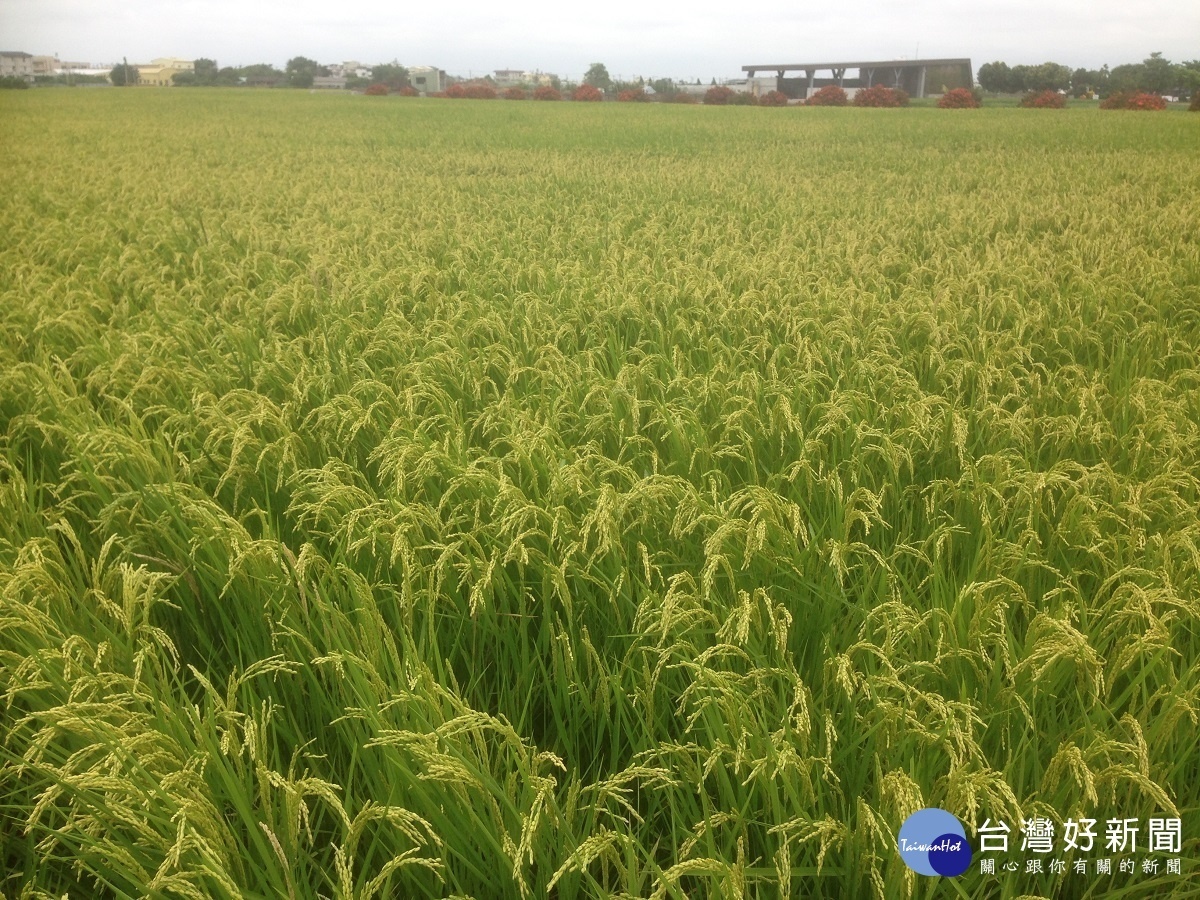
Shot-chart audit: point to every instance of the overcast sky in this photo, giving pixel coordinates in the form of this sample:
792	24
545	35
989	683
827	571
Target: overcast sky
696	39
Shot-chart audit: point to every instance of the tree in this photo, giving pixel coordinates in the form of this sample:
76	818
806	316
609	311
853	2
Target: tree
619	86
994	77
301	71
206	71
1089	81
1158	75
597	76
1018	79
1124	79
260	70
123	74
394	75
664	87
1048	76
1189	78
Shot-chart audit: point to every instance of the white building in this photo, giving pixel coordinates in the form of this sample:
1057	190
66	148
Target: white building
757	86
509	77
82	68
351	68
15	64
519	77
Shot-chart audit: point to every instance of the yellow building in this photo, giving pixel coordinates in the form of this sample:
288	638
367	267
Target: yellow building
159	72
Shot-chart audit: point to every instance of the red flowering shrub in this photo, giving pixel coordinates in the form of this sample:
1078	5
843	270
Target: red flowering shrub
632	95
1147	102
409	91
455	92
587	93
545	92
1195	104
480	90
1044	100
830	95
880	96
959	98
376	90
1131	100
773	98
513	93
683	97
718	95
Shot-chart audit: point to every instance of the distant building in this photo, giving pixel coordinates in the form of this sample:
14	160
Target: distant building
329	82
15	64
160	72
352	68
82	68
510	77
46	65
518	77
427	79
756	86
911	75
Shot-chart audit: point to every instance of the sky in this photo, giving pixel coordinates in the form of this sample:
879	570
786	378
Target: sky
696	39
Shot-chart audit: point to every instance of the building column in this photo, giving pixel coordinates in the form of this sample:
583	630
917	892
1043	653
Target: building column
921	81
812	75
870	75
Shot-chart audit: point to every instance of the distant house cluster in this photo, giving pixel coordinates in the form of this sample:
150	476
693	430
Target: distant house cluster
426	79
29	67
340	74
523	78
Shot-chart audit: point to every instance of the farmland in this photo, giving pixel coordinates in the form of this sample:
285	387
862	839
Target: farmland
423	498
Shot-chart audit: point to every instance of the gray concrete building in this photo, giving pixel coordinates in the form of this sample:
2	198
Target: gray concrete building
917	77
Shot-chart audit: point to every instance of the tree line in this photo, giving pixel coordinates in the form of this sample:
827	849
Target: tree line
1154	74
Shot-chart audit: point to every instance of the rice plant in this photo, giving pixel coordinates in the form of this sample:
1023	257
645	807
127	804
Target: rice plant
587	500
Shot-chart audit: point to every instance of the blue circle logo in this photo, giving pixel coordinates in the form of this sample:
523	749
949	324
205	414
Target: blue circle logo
933	842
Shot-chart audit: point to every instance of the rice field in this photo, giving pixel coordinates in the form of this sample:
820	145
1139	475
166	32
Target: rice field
407	498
